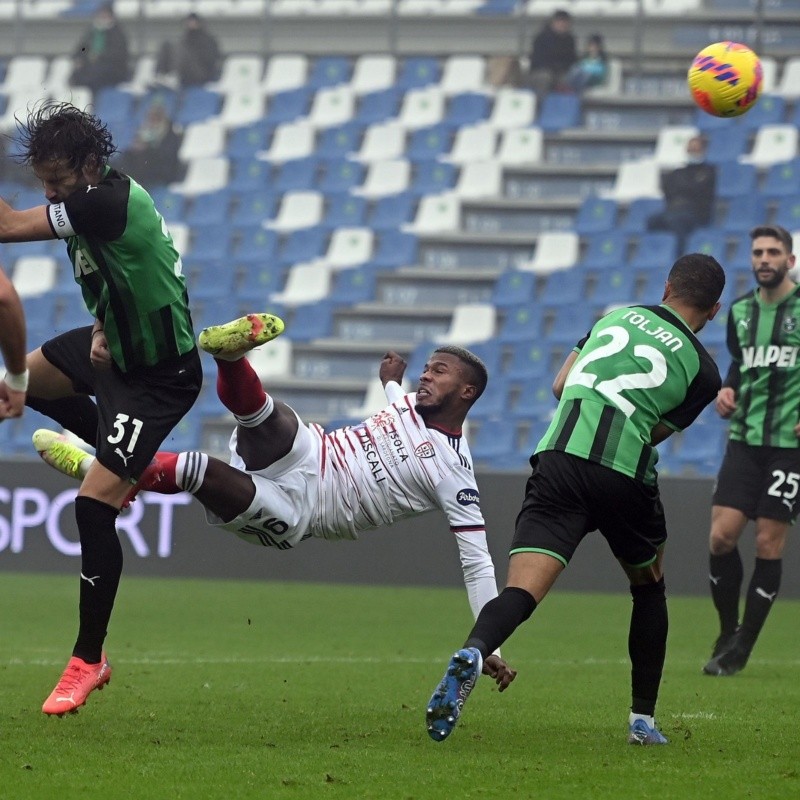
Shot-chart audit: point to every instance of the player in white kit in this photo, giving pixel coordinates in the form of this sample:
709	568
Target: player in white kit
288	481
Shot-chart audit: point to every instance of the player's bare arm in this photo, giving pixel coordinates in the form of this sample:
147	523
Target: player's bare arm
561	377
28	225
393	367
725	402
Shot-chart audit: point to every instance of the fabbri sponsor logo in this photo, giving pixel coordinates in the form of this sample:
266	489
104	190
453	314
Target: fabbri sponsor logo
468	497
770	356
27	511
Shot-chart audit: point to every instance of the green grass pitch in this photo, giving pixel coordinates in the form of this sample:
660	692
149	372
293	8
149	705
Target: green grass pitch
225	689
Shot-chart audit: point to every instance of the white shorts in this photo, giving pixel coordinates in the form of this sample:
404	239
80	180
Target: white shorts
286	495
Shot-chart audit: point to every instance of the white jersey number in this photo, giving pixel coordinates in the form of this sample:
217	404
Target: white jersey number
612	387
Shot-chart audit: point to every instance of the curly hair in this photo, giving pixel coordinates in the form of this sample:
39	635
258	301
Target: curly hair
477	373
60	131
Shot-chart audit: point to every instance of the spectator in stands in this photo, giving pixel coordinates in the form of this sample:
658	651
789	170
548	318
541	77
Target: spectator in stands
153	155
592	69
689	194
553	54
195	57
101	57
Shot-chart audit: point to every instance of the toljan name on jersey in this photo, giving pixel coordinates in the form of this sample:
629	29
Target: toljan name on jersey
646	325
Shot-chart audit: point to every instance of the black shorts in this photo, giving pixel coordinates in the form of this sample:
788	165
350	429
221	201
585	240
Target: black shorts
136	409
567	497
759	481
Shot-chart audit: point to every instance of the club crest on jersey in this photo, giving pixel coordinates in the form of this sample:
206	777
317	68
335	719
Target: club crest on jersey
789	324
424	450
468	497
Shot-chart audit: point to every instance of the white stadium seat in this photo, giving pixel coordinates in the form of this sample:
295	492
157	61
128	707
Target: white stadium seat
306	283
555	251
471	323
290	140
773	144
479	179
437	213
387	177
513	108
635	179
671	144
34	275
382	141
422	108
521	146
298	210
373	73
285	72
203	175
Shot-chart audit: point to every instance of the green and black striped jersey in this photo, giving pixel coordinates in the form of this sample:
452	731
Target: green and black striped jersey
764	340
639	366
128	269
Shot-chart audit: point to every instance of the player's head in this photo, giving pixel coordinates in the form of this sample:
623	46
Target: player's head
771	254
67	148
451	381
696	282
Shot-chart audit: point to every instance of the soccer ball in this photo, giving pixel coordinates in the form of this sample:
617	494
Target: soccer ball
725	79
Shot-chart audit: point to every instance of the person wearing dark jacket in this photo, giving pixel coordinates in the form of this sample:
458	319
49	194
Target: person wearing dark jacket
101	57
689	194
195	57
553	54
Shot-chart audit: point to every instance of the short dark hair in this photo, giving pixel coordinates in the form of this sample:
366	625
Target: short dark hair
776	232
561	14
478	375
697	279
60	131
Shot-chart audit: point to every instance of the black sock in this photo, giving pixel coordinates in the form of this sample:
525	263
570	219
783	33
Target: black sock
101	567
499	618
647	645
761	594
77	414
725	578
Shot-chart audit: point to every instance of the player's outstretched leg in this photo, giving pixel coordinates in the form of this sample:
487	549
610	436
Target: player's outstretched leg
232	340
642	732
444	707
57	451
77	682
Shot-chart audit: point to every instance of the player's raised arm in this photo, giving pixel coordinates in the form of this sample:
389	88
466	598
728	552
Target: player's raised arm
27	225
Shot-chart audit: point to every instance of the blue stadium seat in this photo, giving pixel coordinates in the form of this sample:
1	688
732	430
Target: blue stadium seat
396	249
532	400
302	245
639	211
196	104
344	210
296	175
771	111
255	244
492	404
595	215
521	323
727	144
567	328
741	213
254	206
311	321
391	212
376	107
707	123
356	285
559	111
247	140
329	71
170	205
734	178
654	250
210	242
781	179
513	287
528	360
429	143
257	280
210	278
740	257
607	250
564	289
651	288
340	175
289	105
247	174
432	177
787	212
114	105
497	8
417	359
710	241
340	140
161	95
208	209
467	108
491	353
418	71
615	286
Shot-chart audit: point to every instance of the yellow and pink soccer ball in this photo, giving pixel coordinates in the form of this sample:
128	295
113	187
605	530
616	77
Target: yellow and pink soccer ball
725	79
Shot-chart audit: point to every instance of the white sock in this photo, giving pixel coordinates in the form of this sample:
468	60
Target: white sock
190	469
651	721
254	420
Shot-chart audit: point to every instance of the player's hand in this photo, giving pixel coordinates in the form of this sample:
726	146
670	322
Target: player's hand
12	403
726	402
100	355
499	671
393	367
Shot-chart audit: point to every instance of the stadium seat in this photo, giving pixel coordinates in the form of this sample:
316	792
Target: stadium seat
391	211
471	322
373	73
520	146
204	139
595	215
255	245
296	175
735	178
513	287
196	104
771	111
472	143
787	212
513	108
34	275
555	251
210	279
382	141
773	144
396	249
670	151
789	84
288	106
306	283
493	403
614	286
354	285
284	73
559	111
740	215
429	142
298	210
655	250
244	106
378	106
209	209
339	140
349	247
727	144
520	323
24	74
639	211
781	179
343	209
239	71
246	140
114	106
469	108
532	400
479	179
421	108
606	250
328	71
385	178
272	360
304	245
203	175
248	174
711	241
433	177
340	175
636	179
463	74
495	438
436	213
210	242
291	140
528	361
418	71
252	207
332	106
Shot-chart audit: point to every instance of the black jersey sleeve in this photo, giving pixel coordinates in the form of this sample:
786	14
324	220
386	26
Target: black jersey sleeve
99	210
701	391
